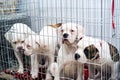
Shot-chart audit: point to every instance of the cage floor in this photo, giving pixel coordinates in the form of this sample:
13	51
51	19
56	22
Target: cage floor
11	74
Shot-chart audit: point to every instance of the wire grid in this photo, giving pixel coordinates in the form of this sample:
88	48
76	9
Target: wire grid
95	16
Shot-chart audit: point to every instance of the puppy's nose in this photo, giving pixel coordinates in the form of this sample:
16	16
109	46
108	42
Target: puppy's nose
20	48
77	56
65	35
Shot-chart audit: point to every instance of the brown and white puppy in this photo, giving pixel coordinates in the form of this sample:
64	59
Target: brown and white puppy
69	34
103	70
16	36
104	50
42	44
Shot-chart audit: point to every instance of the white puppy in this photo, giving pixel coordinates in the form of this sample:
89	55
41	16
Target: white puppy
104	51
70	34
43	44
16	36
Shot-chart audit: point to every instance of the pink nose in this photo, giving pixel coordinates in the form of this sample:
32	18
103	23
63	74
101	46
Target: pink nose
20	48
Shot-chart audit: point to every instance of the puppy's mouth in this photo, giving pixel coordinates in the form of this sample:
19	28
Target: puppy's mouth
66	41
21	51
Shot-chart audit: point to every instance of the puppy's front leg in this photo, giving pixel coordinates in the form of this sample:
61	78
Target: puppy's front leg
80	71
53	71
20	69
34	66
114	70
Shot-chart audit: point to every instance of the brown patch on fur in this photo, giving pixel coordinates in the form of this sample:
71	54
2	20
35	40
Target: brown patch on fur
114	53
91	52
57	25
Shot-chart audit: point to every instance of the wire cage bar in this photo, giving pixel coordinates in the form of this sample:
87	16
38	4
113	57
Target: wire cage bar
99	18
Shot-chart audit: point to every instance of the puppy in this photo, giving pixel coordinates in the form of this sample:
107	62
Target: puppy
44	44
103	70
69	34
104	50
16	36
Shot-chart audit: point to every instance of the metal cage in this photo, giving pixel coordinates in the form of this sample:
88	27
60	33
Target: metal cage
100	18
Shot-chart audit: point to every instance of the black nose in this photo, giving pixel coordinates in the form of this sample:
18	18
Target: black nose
77	56
20	48
65	35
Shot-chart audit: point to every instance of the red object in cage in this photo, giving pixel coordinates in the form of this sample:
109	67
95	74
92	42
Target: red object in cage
27	75
86	74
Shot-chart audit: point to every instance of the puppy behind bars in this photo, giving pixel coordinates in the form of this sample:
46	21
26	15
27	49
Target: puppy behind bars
102	71
90	48
42	44
16	36
69	35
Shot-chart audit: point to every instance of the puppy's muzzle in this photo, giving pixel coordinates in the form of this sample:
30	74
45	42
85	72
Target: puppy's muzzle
65	35
20	48
77	56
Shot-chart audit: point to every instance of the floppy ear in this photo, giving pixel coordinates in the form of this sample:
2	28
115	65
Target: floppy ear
91	52
57	25
8	36
114	53
80	31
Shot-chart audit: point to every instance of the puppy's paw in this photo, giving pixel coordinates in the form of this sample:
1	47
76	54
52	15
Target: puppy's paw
20	70
34	74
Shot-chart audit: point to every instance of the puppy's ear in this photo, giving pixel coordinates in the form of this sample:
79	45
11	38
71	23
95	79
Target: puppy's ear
80	31
8	36
91	52
114	53
57	25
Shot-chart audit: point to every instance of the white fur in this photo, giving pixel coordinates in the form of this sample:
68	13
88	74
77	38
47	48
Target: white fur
16	36
67	27
63	57
65	53
103	48
43	44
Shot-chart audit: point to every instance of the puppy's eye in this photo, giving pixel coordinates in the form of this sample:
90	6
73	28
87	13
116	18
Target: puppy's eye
14	42
28	46
62	30
22	41
71	30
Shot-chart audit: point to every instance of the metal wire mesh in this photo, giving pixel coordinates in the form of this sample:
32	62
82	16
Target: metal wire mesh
94	15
